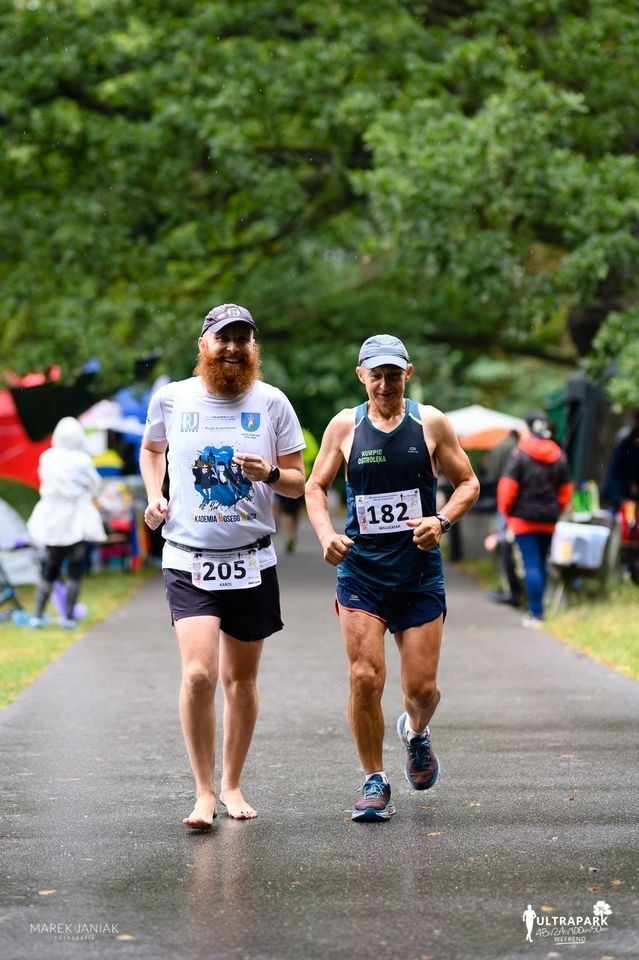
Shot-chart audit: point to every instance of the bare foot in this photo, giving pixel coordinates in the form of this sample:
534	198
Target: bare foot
236	805
203	814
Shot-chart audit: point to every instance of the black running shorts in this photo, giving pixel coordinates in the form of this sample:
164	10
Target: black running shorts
250	614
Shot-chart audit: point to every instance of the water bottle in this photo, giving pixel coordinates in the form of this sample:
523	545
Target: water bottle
20	618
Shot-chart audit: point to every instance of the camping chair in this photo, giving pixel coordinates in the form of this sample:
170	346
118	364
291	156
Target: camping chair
8	595
583	555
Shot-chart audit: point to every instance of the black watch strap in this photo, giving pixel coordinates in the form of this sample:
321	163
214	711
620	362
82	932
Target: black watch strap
273	476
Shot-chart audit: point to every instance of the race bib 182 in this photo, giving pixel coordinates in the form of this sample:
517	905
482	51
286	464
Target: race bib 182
387	512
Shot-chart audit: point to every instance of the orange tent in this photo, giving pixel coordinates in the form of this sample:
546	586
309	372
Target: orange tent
480	428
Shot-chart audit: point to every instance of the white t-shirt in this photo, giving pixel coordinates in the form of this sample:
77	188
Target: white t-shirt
212	506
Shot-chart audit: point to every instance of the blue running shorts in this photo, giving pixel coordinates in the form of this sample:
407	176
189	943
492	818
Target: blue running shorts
398	610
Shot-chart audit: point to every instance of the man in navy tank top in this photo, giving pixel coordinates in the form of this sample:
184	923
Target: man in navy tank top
389	564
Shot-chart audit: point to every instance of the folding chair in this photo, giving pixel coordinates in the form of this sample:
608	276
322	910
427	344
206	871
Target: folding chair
9	596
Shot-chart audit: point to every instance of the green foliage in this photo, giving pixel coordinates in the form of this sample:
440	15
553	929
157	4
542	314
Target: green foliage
615	360
462	174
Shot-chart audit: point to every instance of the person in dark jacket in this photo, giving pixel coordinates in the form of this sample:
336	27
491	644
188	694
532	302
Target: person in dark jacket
511	589
622	477
533	492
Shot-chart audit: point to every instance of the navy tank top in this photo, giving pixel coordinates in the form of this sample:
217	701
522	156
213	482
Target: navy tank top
389	480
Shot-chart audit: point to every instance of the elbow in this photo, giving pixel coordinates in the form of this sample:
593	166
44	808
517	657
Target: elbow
294	486
472	489
312	488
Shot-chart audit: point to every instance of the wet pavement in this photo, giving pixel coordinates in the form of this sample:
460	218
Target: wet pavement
537	803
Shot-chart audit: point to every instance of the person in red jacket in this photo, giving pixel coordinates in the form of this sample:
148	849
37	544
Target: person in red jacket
532	493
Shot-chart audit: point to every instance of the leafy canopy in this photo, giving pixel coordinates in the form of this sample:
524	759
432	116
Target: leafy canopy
461	174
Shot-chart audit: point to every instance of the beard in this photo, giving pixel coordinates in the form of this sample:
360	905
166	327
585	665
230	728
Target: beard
226	380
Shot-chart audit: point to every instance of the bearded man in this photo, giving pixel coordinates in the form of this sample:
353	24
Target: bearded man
219	564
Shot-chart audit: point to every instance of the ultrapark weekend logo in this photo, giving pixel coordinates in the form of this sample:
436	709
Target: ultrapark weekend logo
566	929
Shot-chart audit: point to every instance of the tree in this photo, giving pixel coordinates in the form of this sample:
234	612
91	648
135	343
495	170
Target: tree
461	173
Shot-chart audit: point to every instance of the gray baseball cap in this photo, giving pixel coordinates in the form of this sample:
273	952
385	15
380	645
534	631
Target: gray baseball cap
224	314
383	349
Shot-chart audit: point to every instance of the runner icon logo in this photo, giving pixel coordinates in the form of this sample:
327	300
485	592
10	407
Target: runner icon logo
565	928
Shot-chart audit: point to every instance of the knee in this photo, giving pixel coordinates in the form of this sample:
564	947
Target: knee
240	689
367	678
198	681
425	694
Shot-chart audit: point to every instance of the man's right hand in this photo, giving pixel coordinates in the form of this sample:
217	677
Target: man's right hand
336	546
155	513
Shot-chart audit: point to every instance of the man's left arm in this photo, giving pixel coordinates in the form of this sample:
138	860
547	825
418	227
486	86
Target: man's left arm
453	460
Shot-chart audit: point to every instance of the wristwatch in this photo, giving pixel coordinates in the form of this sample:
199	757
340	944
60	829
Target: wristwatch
273	476
445	522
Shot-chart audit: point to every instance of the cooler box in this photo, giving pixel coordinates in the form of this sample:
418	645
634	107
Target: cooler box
578	545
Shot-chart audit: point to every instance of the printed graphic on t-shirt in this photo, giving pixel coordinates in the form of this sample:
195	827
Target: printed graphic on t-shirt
219	480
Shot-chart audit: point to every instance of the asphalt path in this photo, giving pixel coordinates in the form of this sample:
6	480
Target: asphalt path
537	802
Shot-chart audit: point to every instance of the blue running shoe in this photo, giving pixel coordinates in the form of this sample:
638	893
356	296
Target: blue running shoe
422	766
375	803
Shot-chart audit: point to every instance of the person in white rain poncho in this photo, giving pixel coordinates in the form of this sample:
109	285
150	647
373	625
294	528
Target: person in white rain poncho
65	517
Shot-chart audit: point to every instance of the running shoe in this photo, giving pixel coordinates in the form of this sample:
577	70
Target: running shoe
532	622
375	803
422	766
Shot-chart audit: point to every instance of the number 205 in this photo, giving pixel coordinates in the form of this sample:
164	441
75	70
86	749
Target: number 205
223	570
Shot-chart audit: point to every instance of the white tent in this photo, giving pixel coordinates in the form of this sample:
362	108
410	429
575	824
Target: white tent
19	562
480	428
107	415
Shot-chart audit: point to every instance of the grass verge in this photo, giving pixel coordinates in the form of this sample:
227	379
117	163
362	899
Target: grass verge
24	653
604	626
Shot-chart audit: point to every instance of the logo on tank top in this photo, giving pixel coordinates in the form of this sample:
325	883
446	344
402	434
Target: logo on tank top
371	456
250	422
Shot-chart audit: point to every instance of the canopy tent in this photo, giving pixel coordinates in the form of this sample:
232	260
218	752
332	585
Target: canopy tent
480	428
40	405
17	557
19	455
125	413
32	406
108	415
